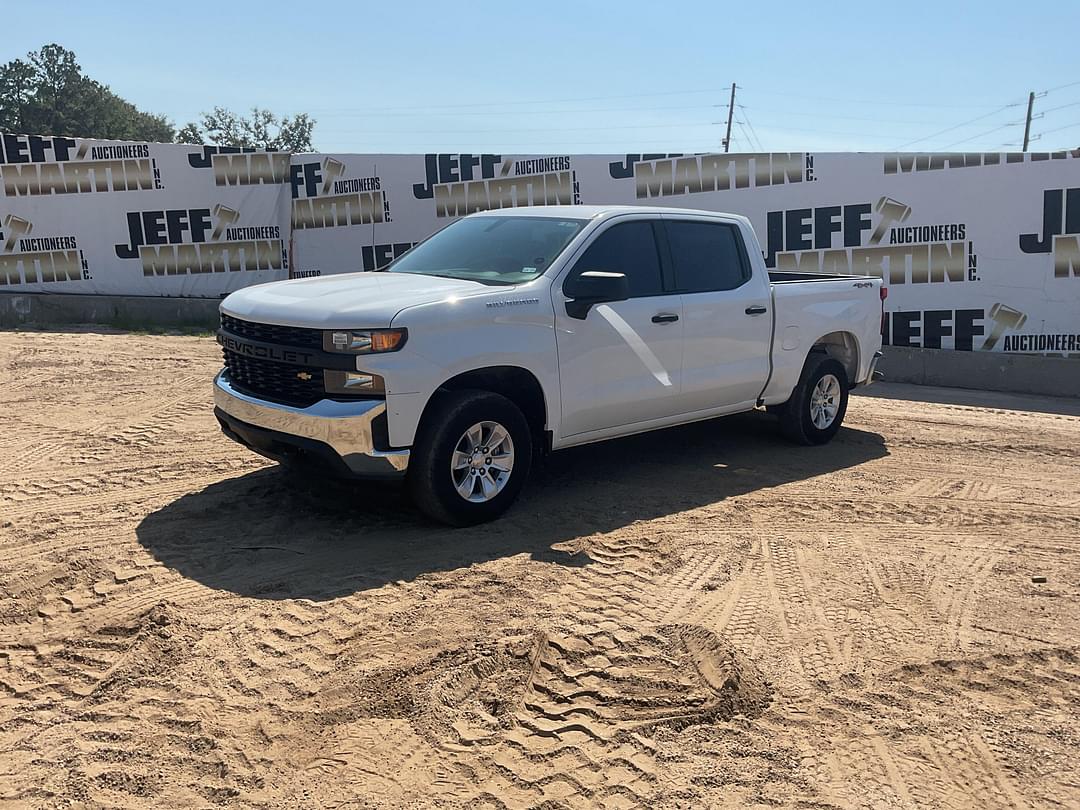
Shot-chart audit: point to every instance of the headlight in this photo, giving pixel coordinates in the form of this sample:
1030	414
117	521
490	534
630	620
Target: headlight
364	341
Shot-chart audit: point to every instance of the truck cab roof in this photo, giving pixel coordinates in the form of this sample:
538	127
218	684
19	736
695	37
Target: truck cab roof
592	212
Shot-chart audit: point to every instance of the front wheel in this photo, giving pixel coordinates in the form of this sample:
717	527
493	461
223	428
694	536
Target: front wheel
817	406
471	459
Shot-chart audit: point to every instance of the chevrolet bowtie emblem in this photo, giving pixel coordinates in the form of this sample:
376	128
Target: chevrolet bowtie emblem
303	375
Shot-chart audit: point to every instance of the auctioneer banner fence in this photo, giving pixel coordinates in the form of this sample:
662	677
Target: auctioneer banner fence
981	252
82	216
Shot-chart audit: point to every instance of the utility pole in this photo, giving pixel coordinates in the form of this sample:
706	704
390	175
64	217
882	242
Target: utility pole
731	112
1027	124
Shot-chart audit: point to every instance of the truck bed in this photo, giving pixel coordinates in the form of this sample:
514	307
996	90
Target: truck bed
846	312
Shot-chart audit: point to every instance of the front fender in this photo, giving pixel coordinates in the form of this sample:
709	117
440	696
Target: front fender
469	336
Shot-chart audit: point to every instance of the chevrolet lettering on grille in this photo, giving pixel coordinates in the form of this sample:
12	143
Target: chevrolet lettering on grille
263	351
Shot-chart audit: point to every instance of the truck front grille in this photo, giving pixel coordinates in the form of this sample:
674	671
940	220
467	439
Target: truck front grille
279	382
271	333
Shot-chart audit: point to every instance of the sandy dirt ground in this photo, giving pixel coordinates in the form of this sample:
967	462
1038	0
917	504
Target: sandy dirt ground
702	617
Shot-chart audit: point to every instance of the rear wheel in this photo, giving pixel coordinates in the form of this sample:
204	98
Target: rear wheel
817	406
472	458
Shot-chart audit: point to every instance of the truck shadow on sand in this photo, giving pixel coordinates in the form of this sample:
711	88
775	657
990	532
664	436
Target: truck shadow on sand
274	535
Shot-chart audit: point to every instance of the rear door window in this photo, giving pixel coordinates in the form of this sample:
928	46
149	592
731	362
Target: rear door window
707	256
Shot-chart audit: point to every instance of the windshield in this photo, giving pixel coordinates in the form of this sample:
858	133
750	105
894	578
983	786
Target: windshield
491	250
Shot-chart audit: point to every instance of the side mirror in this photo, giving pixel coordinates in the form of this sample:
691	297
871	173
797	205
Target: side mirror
594	287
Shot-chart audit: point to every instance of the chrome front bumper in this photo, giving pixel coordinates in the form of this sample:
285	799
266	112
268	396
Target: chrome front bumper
346	428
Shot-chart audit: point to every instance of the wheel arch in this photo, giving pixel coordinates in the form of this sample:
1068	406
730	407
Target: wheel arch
517	384
843	347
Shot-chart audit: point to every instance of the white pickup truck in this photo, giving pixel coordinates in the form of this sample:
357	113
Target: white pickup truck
515	332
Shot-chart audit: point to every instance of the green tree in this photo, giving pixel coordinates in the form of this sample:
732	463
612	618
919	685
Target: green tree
48	94
261	130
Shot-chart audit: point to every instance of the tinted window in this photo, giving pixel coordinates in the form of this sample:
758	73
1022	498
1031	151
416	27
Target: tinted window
707	256
491	250
630	249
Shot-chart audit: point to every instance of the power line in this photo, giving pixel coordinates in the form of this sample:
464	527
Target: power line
752	130
1058	129
564	147
359	112
548	145
828	132
748	136
872	101
1061	87
1061	107
745	134
836	117
362	133
527	129
757	141
426	107
546	101
975	137
961	124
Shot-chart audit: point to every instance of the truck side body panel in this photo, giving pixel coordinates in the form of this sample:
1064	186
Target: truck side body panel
807	312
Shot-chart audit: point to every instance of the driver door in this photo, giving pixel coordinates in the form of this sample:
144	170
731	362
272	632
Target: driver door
621	364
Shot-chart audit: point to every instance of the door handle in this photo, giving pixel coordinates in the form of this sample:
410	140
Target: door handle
756	310
665	317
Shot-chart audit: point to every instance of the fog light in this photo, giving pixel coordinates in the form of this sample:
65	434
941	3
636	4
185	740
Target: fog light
356	380
353	382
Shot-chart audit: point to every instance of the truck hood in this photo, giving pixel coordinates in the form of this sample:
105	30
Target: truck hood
348	301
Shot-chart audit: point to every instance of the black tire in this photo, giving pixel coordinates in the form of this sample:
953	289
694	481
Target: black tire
430	478
796	420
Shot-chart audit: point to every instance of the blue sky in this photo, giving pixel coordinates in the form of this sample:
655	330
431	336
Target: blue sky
591	77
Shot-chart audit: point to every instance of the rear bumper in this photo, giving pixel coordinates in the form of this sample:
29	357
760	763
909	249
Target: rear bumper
874	373
340	434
